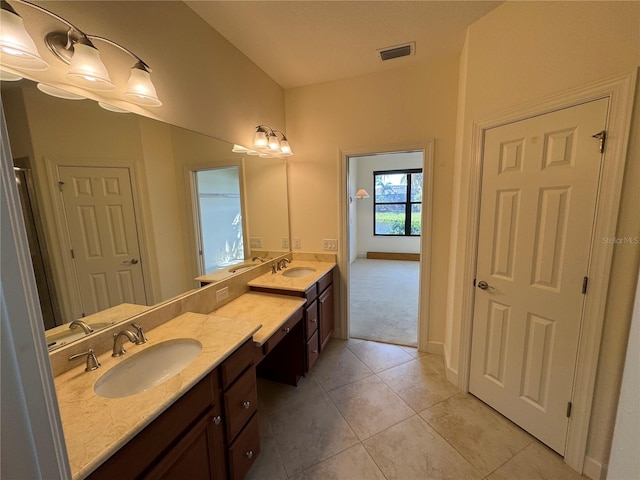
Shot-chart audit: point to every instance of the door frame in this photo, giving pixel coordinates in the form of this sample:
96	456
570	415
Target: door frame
59	234
620	91
342	327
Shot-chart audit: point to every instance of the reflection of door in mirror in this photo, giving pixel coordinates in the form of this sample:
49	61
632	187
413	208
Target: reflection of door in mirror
218	213
51	314
103	236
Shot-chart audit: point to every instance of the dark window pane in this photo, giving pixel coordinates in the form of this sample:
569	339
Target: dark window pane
389	220
416	220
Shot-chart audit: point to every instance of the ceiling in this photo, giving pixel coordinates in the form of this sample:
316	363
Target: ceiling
307	42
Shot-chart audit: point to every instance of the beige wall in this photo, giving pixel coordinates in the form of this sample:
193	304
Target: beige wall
518	53
388	109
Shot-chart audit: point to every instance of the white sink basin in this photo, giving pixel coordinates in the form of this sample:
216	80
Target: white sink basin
148	368
297	272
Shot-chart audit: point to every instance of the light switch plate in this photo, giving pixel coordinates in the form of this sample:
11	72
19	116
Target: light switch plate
222	293
285	242
330	244
255	242
297	243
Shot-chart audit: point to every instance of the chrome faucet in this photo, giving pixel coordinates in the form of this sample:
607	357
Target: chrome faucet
92	360
262	260
282	264
142	338
118	340
79	323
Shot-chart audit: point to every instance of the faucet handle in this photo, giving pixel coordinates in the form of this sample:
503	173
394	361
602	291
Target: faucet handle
142	338
92	360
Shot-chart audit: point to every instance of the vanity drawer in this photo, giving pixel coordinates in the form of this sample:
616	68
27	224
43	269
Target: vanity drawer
240	403
237	363
311	318
244	451
282	332
313	350
311	293
325	281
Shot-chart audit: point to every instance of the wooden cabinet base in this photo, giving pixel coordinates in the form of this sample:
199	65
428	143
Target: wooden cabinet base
244	450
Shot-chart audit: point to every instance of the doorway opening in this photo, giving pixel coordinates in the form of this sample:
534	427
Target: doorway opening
385	220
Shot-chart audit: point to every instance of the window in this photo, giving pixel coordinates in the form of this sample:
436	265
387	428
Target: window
397	204
219	215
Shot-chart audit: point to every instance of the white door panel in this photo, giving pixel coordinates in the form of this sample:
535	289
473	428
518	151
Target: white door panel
539	190
98	205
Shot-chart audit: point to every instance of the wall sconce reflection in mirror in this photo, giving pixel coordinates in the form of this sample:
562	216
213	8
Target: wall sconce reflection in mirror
18	52
266	144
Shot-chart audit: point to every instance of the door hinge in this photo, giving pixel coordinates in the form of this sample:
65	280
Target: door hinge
73	255
60	184
569	409
602	136
585	282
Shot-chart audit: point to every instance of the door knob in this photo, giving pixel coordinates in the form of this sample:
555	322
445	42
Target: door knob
133	261
483	285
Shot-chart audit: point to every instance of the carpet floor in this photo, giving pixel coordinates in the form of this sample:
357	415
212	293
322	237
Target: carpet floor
384	300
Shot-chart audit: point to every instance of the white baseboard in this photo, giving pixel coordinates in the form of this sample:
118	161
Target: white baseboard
450	373
594	469
435	347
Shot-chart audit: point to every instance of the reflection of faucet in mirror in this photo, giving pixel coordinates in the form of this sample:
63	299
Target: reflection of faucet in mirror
282	264
79	323
262	260
35	133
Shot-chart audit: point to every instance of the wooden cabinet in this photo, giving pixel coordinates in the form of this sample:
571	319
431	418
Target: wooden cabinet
318	317
211	432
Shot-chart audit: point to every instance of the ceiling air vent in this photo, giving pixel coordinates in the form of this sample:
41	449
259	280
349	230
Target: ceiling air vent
396	52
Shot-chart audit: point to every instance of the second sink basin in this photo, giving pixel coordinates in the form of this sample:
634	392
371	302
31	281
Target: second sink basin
148	368
297	272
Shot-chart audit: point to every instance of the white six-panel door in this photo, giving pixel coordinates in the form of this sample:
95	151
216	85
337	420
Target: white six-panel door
539	190
100	217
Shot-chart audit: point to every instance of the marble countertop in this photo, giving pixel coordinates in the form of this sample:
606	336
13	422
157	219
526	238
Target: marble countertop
96	427
278	281
272	311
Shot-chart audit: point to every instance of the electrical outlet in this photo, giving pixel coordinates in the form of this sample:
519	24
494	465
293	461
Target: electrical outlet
255	242
222	293
285	242
330	244
297	243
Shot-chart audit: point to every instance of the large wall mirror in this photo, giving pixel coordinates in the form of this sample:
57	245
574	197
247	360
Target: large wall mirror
124	212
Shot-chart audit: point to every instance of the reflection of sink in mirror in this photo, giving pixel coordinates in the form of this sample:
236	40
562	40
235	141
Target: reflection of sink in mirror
297	272
62	337
237	268
148	368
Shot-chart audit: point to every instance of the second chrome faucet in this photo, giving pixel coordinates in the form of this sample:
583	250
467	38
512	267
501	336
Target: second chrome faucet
119	338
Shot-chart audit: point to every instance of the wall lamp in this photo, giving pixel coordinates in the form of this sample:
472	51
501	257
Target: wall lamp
267	144
18	52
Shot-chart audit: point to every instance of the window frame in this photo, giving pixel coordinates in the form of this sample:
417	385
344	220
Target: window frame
407	203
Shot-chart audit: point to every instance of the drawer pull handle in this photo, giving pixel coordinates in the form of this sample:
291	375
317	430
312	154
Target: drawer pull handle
249	454
217	420
314	351
286	330
246	405
314	320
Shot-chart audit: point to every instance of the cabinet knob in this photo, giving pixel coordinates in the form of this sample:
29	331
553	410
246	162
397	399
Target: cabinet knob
216	420
246	405
314	351
314	320
249	454
286	330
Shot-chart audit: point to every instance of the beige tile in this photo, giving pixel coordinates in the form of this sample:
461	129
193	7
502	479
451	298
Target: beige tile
339	344
536	462
310	433
434	363
354	463
273	396
413	450
268	465
417	384
380	356
339	367
479	433
413	351
369	406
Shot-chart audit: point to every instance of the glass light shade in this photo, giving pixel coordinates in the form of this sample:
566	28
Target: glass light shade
260	139
87	70
112	108
253	152
362	193
274	143
140	89
285	149
6	76
58	92
265	155
239	149
17	48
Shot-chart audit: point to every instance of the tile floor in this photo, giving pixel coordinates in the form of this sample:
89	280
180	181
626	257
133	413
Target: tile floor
376	411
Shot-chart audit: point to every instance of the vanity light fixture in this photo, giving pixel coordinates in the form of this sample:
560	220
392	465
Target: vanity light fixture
266	142
74	47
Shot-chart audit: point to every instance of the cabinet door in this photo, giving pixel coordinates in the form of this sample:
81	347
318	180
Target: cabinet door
193	456
311	319
325	305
